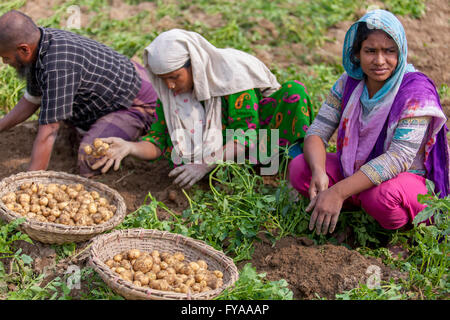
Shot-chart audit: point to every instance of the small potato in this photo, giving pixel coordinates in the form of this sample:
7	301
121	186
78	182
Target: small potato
137	283
162	274
202	264
171	270
196	287
126	275
179	256
151	275
9	197
143	263
156	267
157	260
97	143
52	188
35	208
110	263
25	186
184	288
164	265
171	279
62	205
164	255
212	283
189	282
155	284
102	202
204	289
187	270
43	201
133	254
95	195
179	266
200	277
143	279
164	285
125	264
98	218
24	198
41	218
46	212
118	257
194	266
79	187
92	208
52	203
203	283
218	273
51	218
55	212
183	277
30	215
155	253
120	269
87	149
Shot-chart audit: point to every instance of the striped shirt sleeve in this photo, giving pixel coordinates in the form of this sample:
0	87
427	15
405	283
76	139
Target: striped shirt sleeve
406	144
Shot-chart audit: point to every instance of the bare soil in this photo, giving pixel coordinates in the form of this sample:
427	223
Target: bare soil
309	269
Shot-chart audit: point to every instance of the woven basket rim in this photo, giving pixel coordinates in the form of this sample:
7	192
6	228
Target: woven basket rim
62	229
139	233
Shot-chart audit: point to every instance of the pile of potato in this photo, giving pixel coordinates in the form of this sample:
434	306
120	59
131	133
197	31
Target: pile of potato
59	203
165	271
98	148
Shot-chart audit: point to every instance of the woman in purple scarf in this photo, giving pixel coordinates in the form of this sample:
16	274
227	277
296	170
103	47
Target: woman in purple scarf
391	133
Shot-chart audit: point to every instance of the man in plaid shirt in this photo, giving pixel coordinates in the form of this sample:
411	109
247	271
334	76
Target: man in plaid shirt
76	80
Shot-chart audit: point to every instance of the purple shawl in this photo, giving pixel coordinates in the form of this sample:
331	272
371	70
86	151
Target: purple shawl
423	88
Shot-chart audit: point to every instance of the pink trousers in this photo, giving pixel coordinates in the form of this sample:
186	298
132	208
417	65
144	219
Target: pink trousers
393	203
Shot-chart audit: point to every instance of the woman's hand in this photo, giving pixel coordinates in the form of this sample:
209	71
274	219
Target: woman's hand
319	182
327	207
118	150
187	175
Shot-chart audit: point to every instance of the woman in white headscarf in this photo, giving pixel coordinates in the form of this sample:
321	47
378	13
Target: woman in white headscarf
203	91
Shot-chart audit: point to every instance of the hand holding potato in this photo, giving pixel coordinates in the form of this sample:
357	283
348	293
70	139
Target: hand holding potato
118	149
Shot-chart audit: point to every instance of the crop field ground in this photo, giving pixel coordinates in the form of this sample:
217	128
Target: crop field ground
252	218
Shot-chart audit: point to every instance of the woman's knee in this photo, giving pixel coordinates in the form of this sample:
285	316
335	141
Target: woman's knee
393	203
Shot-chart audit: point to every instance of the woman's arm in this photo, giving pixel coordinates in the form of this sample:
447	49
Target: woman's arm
120	148
405	146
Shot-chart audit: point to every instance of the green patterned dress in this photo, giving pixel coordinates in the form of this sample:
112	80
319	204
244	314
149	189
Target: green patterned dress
288	110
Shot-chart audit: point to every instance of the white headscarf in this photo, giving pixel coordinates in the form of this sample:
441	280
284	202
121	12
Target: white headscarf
216	73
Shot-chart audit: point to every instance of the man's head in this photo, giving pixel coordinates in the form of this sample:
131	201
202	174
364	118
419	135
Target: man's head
19	39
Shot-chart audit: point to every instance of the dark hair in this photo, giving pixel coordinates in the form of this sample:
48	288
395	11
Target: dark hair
187	64
362	33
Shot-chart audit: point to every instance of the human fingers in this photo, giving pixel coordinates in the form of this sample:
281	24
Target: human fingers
181	177
311	204
176	171
326	224
319	222
108	165
99	163
333	222
312	220
112	139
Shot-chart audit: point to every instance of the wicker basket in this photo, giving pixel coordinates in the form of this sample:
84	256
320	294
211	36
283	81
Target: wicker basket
48	232
105	246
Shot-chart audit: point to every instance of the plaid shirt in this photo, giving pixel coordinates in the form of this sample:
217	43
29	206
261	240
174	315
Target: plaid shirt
80	80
